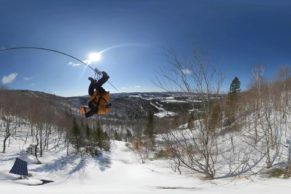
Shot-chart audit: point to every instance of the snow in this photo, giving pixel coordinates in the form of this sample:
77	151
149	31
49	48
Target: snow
172	99
162	112
121	171
165	114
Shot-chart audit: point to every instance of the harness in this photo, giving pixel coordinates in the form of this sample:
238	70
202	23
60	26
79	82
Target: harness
99	102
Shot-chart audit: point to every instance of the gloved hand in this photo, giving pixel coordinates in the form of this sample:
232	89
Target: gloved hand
97	71
91	79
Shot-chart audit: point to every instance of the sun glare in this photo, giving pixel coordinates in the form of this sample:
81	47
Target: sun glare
94	57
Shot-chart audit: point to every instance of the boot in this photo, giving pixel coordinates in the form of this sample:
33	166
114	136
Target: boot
105	75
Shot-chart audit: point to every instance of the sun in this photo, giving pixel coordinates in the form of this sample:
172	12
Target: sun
94	57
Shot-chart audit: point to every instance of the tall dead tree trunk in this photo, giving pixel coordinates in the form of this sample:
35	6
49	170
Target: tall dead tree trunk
7	132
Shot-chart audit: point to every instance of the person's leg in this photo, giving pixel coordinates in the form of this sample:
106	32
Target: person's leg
91	86
102	80
97	84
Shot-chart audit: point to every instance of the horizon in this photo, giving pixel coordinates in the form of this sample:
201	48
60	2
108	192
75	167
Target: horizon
134	37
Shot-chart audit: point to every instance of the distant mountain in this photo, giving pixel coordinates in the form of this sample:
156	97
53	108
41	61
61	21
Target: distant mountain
136	105
125	106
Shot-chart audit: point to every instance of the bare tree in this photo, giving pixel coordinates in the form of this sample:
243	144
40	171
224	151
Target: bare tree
197	147
206	146
258	82
284	75
7	113
8	120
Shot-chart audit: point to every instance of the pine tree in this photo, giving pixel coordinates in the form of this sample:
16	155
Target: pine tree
89	144
191	119
215	117
117	136
150	124
128	135
234	92
235	86
76	133
101	138
88	132
106	136
99	135
232	100
106	142
149	130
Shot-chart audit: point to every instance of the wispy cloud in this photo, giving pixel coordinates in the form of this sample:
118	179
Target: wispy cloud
74	64
187	71
9	78
27	78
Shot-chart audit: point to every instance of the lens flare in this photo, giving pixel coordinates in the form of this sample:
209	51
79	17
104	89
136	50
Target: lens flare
94	57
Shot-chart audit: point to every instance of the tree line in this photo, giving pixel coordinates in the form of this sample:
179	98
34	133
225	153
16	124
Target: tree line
46	122
232	133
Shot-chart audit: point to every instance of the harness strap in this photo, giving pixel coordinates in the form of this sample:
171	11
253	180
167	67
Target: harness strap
96	102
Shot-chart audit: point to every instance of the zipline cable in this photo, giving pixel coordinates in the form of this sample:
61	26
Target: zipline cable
55	51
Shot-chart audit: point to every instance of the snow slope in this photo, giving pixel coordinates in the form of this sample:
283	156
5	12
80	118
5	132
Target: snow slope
122	172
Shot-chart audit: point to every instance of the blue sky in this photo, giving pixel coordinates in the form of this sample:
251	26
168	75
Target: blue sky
236	35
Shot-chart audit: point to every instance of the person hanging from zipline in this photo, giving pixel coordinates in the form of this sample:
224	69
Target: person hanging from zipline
99	101
99	97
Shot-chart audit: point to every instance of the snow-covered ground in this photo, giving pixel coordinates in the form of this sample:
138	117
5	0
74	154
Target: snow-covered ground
162	112
121	171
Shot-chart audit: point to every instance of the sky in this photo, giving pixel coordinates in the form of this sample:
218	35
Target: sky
236	35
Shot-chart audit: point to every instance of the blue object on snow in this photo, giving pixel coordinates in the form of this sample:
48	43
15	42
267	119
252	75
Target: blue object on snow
19	168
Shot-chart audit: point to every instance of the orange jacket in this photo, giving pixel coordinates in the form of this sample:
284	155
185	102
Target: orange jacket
102	100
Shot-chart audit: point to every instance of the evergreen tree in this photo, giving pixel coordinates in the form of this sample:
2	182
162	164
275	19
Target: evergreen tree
215	117
128	135
190	121
149	130
81	125
235	86
234	93
232	100
106	136
89	144
101	138
150	124
99	135
175	121
76	135
106	142
117	136
88	132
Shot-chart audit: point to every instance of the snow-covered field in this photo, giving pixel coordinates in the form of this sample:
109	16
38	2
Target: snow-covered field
121	171
162	112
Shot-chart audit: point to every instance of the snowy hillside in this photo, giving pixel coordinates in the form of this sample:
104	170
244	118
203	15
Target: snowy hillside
239	159
121	171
